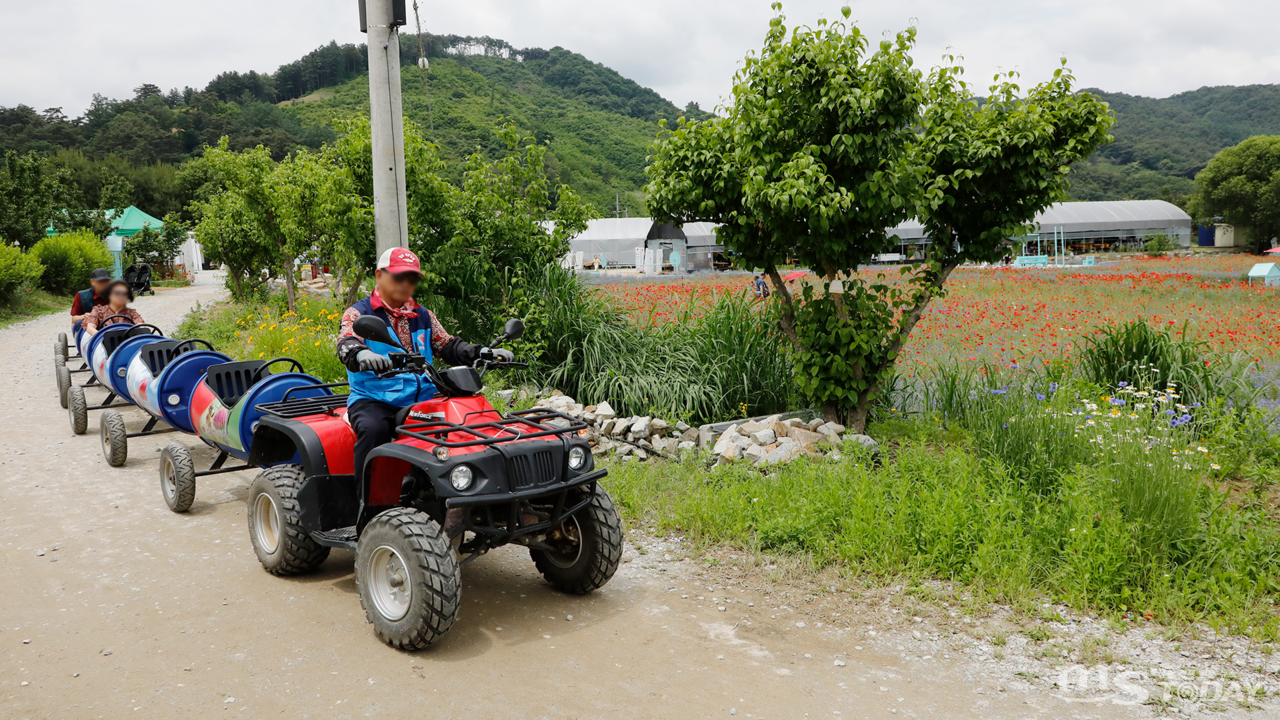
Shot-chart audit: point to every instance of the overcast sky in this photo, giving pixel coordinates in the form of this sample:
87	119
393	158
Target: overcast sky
60	53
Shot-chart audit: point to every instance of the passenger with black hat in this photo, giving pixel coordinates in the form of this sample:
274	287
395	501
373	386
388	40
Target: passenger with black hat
88	299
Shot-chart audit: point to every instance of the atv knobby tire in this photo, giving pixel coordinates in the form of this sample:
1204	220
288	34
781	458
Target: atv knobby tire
599	547
114	436
64	384
177	478
406	567
282	545
77	410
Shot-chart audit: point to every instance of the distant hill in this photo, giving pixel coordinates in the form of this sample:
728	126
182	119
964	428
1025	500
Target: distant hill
1162	143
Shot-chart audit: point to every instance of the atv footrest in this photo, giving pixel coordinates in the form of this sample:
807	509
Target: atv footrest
343	538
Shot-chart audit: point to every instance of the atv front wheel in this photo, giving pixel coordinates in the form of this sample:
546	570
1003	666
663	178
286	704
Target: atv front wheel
64	383
408	577
77	410
114	436
282	545
589	547
177	478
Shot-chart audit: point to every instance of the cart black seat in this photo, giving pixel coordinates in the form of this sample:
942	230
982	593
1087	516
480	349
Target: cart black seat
230	381
158	355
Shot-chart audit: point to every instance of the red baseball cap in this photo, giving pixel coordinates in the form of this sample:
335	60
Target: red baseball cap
399	260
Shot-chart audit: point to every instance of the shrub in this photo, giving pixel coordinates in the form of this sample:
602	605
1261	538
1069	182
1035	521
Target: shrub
1157	245
68	259
19	273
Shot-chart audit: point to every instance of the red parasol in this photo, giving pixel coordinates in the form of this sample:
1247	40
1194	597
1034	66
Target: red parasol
794	276
1273	251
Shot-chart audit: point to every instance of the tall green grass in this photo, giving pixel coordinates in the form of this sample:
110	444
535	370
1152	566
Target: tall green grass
708	364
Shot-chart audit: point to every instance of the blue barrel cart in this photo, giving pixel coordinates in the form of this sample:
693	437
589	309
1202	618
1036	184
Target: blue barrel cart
97	351
62	372
224	408
131	369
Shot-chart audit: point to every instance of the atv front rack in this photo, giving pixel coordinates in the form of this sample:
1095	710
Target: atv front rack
434	430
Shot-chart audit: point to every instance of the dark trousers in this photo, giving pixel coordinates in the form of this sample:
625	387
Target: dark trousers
375	423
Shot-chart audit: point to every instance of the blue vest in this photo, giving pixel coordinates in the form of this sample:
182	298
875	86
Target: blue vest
398	390
86	306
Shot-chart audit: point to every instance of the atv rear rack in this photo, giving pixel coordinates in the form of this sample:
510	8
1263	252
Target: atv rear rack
435	430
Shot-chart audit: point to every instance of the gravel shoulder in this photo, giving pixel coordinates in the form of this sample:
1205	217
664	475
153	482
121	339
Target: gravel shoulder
111	606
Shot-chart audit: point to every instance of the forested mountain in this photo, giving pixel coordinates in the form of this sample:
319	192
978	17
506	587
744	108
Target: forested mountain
598	124
1162	143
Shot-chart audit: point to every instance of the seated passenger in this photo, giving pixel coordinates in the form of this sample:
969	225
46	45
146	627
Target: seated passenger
86	300
118	298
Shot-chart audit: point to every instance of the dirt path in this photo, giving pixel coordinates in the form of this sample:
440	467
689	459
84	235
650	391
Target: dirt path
111	606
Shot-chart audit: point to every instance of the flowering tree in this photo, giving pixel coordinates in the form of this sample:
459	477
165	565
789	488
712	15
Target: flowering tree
826	145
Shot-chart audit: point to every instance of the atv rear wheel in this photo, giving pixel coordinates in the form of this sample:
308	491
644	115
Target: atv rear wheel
590	544
177	478
77	410
114	436
60	347
282	545
64	384
408	577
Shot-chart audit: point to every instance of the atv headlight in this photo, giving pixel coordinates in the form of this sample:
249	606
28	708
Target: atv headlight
577	457
461	478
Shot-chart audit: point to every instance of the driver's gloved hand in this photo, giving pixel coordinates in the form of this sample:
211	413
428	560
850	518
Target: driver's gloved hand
500	354
371	361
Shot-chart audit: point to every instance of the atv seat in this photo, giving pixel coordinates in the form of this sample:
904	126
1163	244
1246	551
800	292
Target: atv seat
230	381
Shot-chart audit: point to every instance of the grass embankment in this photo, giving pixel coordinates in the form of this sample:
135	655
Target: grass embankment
267	330
33	305
1097	500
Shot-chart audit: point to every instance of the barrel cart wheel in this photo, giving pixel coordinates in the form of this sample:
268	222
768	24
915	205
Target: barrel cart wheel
58	358
77	410
177	478
64	384
61	347
115	438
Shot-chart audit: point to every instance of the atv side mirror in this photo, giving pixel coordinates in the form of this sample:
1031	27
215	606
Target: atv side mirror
371	328
513	329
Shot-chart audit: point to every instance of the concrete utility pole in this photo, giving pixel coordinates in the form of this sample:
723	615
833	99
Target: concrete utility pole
381	20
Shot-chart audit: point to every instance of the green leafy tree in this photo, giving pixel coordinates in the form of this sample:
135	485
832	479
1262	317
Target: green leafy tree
230	235
156	248
322	217
826	145
28	194
1241	185
498	233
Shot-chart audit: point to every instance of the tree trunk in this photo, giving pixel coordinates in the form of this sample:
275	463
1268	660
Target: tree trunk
237	284
290	290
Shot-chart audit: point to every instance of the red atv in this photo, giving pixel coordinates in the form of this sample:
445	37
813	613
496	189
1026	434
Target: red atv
459	480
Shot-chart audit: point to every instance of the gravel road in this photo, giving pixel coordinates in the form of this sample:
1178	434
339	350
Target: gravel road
111	606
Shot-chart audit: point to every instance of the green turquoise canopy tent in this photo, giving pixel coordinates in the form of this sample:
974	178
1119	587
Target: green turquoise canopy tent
124	224
131	220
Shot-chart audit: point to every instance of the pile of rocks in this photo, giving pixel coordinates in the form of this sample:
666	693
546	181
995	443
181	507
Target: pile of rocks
639	436
773	441
766	441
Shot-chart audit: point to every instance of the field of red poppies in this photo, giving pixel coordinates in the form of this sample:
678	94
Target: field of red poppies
1015	315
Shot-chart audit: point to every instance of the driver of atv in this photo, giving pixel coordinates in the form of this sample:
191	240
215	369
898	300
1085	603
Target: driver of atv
375	401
